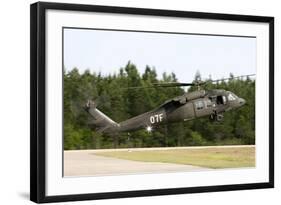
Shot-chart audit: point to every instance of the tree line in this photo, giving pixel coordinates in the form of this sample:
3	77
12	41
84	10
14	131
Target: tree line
119	103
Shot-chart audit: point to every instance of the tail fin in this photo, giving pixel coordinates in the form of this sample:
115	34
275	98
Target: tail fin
103	123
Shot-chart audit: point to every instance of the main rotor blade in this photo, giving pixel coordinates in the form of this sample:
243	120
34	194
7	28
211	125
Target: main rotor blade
161	85
178	84
241	76
172	84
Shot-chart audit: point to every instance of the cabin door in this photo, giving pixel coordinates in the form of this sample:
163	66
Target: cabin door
203	107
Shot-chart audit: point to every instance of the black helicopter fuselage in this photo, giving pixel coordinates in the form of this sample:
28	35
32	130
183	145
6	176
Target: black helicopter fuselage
189	106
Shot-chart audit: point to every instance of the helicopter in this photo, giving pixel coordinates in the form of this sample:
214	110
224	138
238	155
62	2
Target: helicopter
189	106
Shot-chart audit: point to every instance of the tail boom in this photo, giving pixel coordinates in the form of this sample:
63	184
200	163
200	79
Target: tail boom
102	122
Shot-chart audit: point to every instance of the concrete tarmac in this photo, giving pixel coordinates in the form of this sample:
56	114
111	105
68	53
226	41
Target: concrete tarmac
86	163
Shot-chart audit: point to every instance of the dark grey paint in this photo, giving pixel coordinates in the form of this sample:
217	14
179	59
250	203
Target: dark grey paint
189	106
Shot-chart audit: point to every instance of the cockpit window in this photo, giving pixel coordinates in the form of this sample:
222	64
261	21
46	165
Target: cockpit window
224	99
231	97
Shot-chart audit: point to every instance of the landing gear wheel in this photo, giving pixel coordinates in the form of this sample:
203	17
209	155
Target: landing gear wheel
219	117
216	117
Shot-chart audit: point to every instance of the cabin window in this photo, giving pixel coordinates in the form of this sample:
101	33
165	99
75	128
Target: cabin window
199	105
209	103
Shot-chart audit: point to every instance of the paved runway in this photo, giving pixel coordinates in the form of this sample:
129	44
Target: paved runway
86	163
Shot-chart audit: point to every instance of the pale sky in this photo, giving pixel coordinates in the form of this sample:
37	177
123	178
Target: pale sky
107	51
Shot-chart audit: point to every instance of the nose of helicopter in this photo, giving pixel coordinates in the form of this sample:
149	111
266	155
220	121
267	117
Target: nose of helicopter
241	101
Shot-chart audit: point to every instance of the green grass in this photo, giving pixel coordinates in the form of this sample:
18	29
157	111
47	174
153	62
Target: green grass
207	157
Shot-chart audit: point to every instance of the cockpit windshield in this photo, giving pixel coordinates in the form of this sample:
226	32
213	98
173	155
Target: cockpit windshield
231	97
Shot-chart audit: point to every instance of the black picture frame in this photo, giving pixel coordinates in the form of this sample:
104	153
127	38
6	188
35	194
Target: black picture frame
38	100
